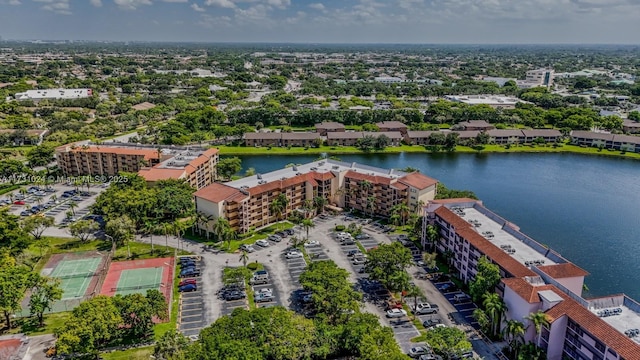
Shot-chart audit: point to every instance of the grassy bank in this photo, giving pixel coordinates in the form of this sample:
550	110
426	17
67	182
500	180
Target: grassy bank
338	150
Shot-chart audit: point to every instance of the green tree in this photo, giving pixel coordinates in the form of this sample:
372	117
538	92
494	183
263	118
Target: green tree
121	229
171	346
486	279
137	312
448	341
381	142
432	235
539	320
495	308
12	235
366	143
92	325
332	293
244	258
278	206
228	167
307	224
634	115
10	169
379	344
513	332
388	263
83	229
40	155
483	320
44	292
14	282
36	225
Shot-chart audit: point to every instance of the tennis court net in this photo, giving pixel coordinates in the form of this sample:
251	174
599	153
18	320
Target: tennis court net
74	276
138	287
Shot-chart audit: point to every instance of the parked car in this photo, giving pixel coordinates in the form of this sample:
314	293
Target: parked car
19	202
25	213
464	355
76	198
282	234
312	243
265	291
358	260
262	297
289	231
426	308
437	326
430	357
247	248
430	323
363	236
188	288
347	241
275	238
396	313
234	295
415	352
449	286
262	242
190	272
461	297
187	264
293	255
187	281
354	252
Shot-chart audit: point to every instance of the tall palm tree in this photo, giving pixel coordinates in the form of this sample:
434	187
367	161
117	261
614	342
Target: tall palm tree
495	308
220	227
414	292
371	202
244	258
202	220
296	242
538	319
513	332
228	236
432	235
403	210
166	229
307	224
319	202
483	320
149	228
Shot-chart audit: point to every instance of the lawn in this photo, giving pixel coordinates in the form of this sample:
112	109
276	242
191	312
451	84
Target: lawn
29	326
130	354
247	239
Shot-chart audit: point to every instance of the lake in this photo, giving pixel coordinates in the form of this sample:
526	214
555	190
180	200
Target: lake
585	207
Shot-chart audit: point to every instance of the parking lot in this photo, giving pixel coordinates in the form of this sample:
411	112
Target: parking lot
275	298
191	306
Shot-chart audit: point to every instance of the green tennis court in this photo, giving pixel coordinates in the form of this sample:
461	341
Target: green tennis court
139	280
75	276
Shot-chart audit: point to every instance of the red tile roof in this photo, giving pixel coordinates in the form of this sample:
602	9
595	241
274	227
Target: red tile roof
565	270
323	176
155	174
456	200
599	328
203	158
371	178
217	192
147	153
418	180
525	290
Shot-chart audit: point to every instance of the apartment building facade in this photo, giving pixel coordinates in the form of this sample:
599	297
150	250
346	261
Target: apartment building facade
246	203
535	278
197	166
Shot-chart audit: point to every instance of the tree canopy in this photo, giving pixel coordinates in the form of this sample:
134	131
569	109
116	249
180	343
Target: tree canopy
388	263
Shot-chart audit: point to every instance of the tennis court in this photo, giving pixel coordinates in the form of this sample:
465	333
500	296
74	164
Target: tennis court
75	276
139	280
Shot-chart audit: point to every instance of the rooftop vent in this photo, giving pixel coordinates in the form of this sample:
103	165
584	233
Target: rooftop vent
295	168
335	167
259	176
321	163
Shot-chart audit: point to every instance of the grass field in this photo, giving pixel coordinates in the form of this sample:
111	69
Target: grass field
130	354
52	322
337	150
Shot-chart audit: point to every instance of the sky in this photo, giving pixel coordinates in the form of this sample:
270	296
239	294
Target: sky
326	21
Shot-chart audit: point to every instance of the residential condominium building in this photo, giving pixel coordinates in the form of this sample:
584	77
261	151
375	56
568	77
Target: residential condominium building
197	166
246	203
535	278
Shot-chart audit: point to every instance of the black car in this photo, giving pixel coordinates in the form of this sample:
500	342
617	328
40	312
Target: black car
289	231
234	295
187	264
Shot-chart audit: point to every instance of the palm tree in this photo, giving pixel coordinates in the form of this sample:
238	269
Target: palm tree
403	210
149	228
307	224
220	227
11	197
278	206
202	220
166	229
538	319
371	201
418	207
414	292
394	218
432	235
483	320
244	258
495	308
513	332
72	207
319	203
296	242
228	236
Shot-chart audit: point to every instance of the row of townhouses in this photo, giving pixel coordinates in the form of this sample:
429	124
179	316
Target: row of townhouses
536	278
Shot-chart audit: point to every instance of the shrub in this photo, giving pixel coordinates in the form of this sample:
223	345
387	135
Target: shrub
340	227
252	266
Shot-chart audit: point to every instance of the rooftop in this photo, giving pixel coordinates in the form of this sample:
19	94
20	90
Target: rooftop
619	311
323	166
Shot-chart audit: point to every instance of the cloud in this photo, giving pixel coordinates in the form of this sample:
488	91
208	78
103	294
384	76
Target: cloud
197	7
282	4
317	6
10	2
228	4
56	6
96	3
131	4
175	1
209	22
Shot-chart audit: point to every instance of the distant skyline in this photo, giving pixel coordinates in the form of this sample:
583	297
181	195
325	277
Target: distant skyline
330	21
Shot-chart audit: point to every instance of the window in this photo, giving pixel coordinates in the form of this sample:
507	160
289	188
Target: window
600	346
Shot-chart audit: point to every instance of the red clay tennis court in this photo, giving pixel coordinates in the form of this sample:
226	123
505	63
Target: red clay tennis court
138	276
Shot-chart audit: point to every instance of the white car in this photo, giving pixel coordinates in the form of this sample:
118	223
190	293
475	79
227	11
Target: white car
437	326
262	242
293	255
312	243
268	292
396	313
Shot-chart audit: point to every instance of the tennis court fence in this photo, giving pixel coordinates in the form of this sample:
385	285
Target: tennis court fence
138	287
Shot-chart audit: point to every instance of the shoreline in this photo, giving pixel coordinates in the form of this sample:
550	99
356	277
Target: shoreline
489	149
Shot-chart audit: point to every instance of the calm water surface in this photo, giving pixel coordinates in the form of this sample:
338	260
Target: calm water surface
585	207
